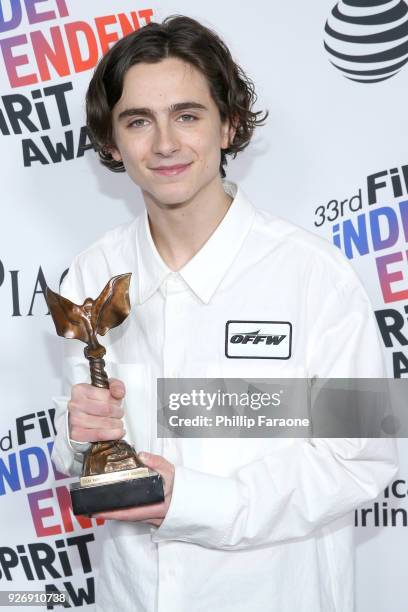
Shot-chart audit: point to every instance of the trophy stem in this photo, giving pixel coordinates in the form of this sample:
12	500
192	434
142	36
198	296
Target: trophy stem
108	456
99	377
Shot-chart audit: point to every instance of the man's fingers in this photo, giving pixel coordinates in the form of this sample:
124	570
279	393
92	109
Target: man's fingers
102	409
115	393
95	415
141	513
88	421
89	392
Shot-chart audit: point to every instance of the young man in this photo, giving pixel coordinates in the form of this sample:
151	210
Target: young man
247	524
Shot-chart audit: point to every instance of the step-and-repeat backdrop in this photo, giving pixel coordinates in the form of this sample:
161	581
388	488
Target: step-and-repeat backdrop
333	158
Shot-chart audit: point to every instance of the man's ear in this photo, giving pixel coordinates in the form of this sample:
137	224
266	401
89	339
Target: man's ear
114	151
229	129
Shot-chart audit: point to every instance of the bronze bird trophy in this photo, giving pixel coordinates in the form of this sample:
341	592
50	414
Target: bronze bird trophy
112	474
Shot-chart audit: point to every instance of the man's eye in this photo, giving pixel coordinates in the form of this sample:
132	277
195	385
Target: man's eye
137	123
187	118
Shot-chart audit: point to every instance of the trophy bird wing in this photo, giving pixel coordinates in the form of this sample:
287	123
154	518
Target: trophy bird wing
68	317
113	304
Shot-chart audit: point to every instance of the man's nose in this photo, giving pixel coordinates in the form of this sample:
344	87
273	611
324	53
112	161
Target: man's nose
165	139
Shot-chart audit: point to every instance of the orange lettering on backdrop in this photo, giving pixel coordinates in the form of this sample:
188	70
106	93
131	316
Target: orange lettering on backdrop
55	55
74	31
126	26
104	36
146	14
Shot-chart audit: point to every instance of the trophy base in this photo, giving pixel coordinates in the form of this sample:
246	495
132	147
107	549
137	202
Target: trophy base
139	490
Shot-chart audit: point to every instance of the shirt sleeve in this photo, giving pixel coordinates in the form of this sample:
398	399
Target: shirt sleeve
67	454
308	484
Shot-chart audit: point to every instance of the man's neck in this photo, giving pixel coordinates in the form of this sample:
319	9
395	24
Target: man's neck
179	231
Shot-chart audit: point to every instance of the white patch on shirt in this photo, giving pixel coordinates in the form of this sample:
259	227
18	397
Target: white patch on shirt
258	339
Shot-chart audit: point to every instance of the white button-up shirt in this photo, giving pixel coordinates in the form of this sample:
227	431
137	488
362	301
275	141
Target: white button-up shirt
253	524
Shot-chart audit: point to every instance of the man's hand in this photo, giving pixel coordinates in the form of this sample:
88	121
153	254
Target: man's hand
96	414
154	513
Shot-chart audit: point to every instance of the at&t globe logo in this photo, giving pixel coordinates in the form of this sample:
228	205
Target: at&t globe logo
367	40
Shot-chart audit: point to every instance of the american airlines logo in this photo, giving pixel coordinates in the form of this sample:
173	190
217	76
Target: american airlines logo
258	339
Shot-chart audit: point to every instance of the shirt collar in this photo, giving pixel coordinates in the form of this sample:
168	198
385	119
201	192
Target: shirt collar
204	272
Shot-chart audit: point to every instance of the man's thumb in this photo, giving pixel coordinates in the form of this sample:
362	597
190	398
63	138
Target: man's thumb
117	388
150	460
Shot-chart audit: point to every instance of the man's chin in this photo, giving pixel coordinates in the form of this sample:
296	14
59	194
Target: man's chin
171	195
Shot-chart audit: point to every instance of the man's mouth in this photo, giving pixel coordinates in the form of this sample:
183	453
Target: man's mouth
171	170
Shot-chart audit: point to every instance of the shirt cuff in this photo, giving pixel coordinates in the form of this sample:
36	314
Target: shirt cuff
202	509
77	447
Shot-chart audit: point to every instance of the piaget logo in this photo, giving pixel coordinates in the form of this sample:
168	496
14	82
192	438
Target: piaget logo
367	41
258	339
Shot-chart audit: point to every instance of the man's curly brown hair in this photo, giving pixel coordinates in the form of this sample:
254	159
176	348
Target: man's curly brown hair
187	39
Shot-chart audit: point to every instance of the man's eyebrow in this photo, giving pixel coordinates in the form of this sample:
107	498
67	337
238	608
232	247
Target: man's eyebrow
147	112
